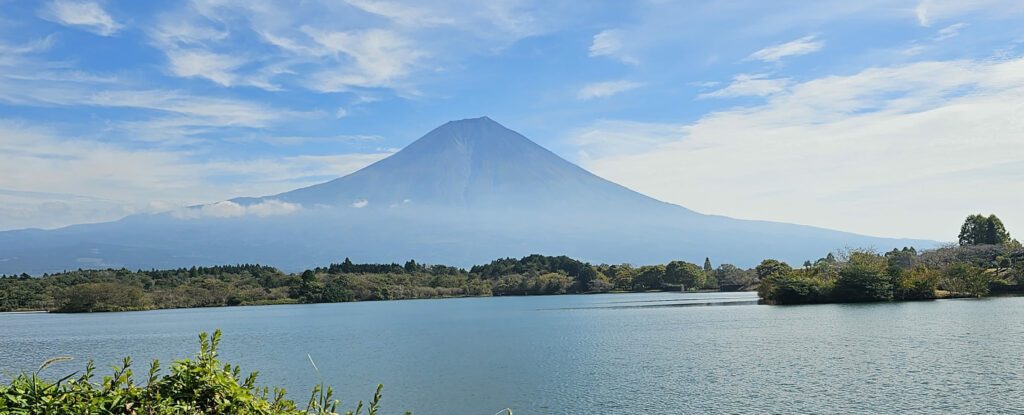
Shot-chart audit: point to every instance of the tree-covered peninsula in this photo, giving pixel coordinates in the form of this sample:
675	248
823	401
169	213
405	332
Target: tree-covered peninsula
985	260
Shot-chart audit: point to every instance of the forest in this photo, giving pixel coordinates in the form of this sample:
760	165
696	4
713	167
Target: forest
985	260
86	290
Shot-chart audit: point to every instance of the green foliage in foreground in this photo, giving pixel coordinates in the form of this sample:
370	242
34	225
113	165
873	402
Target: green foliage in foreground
202	385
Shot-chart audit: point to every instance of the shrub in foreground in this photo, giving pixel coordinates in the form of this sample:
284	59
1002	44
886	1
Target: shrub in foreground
201	385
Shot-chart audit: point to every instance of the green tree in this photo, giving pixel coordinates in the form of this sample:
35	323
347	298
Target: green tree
710	281
918	283
624	275
770	267
600	284
690	276
553	283
649	277
863	278
982	230
966	279
731	274
103	296
793	288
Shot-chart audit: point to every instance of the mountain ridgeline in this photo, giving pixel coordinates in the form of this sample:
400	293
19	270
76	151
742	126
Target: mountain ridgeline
472	165
467	191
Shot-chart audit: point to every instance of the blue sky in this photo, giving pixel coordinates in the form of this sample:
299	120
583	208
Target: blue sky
892	118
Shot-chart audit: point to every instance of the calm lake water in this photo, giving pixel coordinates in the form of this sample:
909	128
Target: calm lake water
615	353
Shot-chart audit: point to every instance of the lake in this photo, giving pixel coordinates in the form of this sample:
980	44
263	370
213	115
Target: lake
572	354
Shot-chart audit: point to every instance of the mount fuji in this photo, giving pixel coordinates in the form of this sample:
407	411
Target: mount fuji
467	192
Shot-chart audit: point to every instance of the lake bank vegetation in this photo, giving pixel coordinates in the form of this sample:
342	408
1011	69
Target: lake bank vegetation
201	385
986	260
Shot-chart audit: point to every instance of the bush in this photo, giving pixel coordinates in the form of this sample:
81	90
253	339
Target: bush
552	283
794	288
863	278
917	284
103	296
199	386
966	279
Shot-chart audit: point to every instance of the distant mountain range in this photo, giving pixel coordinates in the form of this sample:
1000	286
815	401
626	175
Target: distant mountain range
467	192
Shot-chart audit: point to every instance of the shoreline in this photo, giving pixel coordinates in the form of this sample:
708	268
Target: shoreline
370	301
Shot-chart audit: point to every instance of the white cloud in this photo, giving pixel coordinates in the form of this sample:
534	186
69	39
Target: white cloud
404	14
49	210
28	82
224	209
26	79
952	30
607	138
86	14
379	58
610	43
749	85
37	45
204	64
802	46
328	46
895	151
922	13
229	209
361	203
606	89
272	208
54	166
327	139
930	11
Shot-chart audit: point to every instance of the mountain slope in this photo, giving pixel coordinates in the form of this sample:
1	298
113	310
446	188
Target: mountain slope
471	164
465	193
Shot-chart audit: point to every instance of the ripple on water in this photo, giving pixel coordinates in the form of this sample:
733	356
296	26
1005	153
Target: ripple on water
616	353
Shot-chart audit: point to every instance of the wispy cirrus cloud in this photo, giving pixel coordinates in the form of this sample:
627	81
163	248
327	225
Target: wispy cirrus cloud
378	58
335	46
606	89
742	85
802	46
28	80
611	43
950	31
218	68
87	15
930	11
404	13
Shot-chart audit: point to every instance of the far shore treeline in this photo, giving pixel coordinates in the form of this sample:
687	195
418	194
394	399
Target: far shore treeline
249	284
986	260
